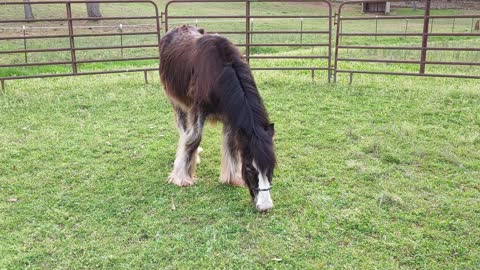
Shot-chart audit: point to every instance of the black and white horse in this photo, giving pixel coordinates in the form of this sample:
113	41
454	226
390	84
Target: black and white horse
206	78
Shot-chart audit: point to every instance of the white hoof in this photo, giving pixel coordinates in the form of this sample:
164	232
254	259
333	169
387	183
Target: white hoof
180	181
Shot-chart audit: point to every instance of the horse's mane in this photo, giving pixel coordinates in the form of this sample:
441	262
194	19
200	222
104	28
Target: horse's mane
220	73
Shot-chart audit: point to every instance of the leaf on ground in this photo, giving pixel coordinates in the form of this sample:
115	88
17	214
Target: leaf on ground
173	206
277	259
13	200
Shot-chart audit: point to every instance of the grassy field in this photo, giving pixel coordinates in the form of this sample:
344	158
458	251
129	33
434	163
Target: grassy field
383	174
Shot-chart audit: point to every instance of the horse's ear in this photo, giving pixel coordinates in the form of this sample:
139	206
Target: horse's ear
271	129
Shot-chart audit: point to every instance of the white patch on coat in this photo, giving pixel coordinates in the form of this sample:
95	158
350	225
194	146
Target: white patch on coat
180	176
184	166
231	167
263	201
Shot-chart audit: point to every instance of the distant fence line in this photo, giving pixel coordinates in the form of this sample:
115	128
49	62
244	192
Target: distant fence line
163	22
20	28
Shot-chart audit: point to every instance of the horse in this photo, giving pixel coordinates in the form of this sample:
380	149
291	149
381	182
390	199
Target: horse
206	78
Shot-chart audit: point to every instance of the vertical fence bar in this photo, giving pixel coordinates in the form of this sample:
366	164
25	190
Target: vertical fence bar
431	26
247	30
159	34
376	26
165	18
337	43
161	23
251	29
25	43
120	27
72	40
329	41
471	28
406	28
426	20
3	87
453	25
301	31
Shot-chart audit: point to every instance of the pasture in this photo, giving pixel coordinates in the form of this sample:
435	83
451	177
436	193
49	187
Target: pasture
384	174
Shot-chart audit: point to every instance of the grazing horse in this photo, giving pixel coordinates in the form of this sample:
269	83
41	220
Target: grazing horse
206	78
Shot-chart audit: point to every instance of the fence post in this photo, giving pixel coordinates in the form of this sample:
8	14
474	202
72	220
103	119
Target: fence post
72	40
301	32
406	28
25	43
121	39
426	20
337	43
247	30
145	76
161	24
251	29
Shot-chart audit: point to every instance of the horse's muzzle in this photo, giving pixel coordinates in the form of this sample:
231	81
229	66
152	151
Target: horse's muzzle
263	201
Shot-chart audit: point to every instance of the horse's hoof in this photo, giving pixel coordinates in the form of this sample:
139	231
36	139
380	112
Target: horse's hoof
181	182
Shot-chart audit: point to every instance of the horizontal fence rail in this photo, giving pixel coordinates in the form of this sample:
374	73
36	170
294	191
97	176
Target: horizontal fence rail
424	47
248	32
72	36
250	38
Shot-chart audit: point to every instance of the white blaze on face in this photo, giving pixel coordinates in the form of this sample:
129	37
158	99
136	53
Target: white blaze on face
263	201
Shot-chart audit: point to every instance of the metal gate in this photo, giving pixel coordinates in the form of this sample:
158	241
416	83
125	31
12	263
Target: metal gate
73	34
423	47
248	31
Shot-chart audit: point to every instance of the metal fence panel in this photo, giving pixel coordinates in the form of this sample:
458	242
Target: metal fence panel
73	35
423	48
248	32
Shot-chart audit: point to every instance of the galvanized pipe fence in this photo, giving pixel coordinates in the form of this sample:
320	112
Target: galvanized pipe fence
163	21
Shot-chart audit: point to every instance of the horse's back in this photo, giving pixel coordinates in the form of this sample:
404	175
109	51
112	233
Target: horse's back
191	64
177	51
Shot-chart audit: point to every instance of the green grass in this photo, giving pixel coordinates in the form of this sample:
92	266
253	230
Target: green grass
383	174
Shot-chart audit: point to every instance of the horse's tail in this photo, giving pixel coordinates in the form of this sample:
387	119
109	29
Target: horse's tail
224	72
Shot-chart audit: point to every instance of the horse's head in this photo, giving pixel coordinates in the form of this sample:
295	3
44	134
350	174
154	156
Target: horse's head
258	162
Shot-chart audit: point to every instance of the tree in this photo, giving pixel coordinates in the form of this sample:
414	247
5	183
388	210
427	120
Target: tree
27	7
93	10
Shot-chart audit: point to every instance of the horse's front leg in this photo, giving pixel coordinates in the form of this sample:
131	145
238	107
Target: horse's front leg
231	163
190	126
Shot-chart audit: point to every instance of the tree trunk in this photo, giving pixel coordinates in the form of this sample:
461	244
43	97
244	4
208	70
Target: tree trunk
93	10
27	7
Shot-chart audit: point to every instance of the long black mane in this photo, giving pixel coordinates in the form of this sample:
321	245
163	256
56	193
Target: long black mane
237	97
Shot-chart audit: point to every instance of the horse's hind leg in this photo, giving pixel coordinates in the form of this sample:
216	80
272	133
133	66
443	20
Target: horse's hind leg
231	164
190	126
